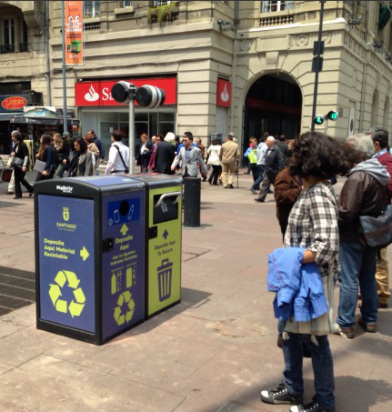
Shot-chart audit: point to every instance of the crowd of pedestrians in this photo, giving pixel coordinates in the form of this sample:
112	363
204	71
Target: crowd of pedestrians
324	231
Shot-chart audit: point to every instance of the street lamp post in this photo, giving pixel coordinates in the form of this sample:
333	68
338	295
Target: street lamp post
65	122
317	64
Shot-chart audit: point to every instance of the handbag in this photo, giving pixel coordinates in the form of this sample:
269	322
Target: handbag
377	231
39	166
16	162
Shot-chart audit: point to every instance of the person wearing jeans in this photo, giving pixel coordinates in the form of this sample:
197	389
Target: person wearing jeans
358	266
363	193
312	225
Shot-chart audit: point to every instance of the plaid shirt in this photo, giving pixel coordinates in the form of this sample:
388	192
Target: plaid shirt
313	224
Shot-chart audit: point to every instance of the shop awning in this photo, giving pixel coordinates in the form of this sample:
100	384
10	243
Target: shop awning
34	120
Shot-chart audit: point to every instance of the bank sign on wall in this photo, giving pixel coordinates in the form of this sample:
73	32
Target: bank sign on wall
98	93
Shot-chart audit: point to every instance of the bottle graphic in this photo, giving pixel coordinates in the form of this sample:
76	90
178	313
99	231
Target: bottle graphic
113	282
130	213
116	216
128	278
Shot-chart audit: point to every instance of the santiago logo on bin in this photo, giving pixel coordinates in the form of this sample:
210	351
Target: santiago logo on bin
165	279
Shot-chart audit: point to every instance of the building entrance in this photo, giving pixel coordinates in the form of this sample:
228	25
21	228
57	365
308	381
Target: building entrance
274	105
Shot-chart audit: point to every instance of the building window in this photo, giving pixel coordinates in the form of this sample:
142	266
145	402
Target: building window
91	8
127	3
161	3
271	6
13	35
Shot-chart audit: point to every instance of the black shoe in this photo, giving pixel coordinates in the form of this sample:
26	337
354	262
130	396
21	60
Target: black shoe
231	187
31	194
280	396
259	200
210	182
313	406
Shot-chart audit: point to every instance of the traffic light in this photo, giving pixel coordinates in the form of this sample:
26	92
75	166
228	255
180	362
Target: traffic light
150	96
319	120
332	115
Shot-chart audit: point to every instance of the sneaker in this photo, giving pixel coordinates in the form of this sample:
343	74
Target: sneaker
313	406
253	191
368	327
347	333
280	396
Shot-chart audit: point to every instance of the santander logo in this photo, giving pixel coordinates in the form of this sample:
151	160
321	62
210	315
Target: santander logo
91	95
225	94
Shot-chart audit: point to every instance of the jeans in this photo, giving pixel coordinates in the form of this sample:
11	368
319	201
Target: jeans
324	383
260	172
358	266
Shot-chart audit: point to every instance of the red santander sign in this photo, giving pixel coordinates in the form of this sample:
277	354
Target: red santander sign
14	103
98	93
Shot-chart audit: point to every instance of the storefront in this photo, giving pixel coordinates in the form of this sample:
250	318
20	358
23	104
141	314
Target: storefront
100	112
37	120
10	105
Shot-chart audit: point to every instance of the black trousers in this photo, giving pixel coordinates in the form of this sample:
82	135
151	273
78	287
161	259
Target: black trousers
20	179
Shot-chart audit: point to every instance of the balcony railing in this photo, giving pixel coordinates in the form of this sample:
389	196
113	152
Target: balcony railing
92	26
276	20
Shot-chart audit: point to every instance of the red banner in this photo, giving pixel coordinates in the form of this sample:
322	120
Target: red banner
223	93
98	93
73	32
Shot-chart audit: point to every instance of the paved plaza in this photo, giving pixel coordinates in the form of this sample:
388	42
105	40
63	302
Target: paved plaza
212	352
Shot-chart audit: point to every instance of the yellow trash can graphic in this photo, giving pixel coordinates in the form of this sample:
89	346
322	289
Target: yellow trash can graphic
165	279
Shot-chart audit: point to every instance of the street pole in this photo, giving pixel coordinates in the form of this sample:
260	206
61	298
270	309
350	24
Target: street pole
131	137
65	120
320	33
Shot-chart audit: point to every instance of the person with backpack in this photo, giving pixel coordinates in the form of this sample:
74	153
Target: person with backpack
118	155
381	153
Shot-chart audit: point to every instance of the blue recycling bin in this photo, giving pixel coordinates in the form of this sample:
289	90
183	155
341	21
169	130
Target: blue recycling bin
90	256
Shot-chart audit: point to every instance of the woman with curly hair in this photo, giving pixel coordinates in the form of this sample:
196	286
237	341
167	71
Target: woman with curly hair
82	162
313	225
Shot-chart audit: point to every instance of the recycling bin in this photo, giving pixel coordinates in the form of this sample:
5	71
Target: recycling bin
90	239
163	241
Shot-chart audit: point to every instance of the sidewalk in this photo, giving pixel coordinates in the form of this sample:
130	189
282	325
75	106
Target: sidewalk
214	351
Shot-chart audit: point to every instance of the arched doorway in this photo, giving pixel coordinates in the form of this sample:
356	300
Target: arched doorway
273	104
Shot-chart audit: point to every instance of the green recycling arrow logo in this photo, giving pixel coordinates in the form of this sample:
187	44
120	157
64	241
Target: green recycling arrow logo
125	299
76	306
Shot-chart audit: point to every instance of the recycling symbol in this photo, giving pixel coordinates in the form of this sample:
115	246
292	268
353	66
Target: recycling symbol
76	306
124	300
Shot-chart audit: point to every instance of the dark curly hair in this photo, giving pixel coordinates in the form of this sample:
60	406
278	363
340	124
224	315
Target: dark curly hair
316	154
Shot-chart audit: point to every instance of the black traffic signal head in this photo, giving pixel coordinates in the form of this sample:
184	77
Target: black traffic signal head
122	92
318	120
332	115
150	96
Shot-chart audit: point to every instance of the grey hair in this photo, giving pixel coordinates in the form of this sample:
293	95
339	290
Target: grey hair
270	138
362	143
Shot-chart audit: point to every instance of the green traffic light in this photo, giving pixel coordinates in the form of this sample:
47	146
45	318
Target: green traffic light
332	115
319	120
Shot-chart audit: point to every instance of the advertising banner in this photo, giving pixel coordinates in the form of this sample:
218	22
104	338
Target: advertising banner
98	93
73	32
14	103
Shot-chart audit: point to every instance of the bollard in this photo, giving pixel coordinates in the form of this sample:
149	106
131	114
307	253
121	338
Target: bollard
192	189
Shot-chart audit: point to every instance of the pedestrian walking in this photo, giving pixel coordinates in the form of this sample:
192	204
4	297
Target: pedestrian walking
118	155
21	160
229	157
213	161
46	155
61	154
165	154
260	155
273	164
82	162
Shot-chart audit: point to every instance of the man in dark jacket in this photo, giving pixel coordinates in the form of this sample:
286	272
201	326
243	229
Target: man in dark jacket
362	194
382	154
165	155
273	164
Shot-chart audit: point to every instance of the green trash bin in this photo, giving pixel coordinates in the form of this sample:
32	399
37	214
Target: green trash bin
163	241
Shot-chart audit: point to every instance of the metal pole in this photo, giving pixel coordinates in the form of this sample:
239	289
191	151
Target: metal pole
65	120
131	137
320	33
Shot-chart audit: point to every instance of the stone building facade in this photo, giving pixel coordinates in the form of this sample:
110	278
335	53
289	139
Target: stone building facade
241	66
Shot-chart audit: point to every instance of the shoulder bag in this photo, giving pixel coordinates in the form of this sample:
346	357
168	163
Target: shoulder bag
377	231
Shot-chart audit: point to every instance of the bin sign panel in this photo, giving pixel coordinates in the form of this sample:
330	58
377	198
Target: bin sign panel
164	261
66	261
123	271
